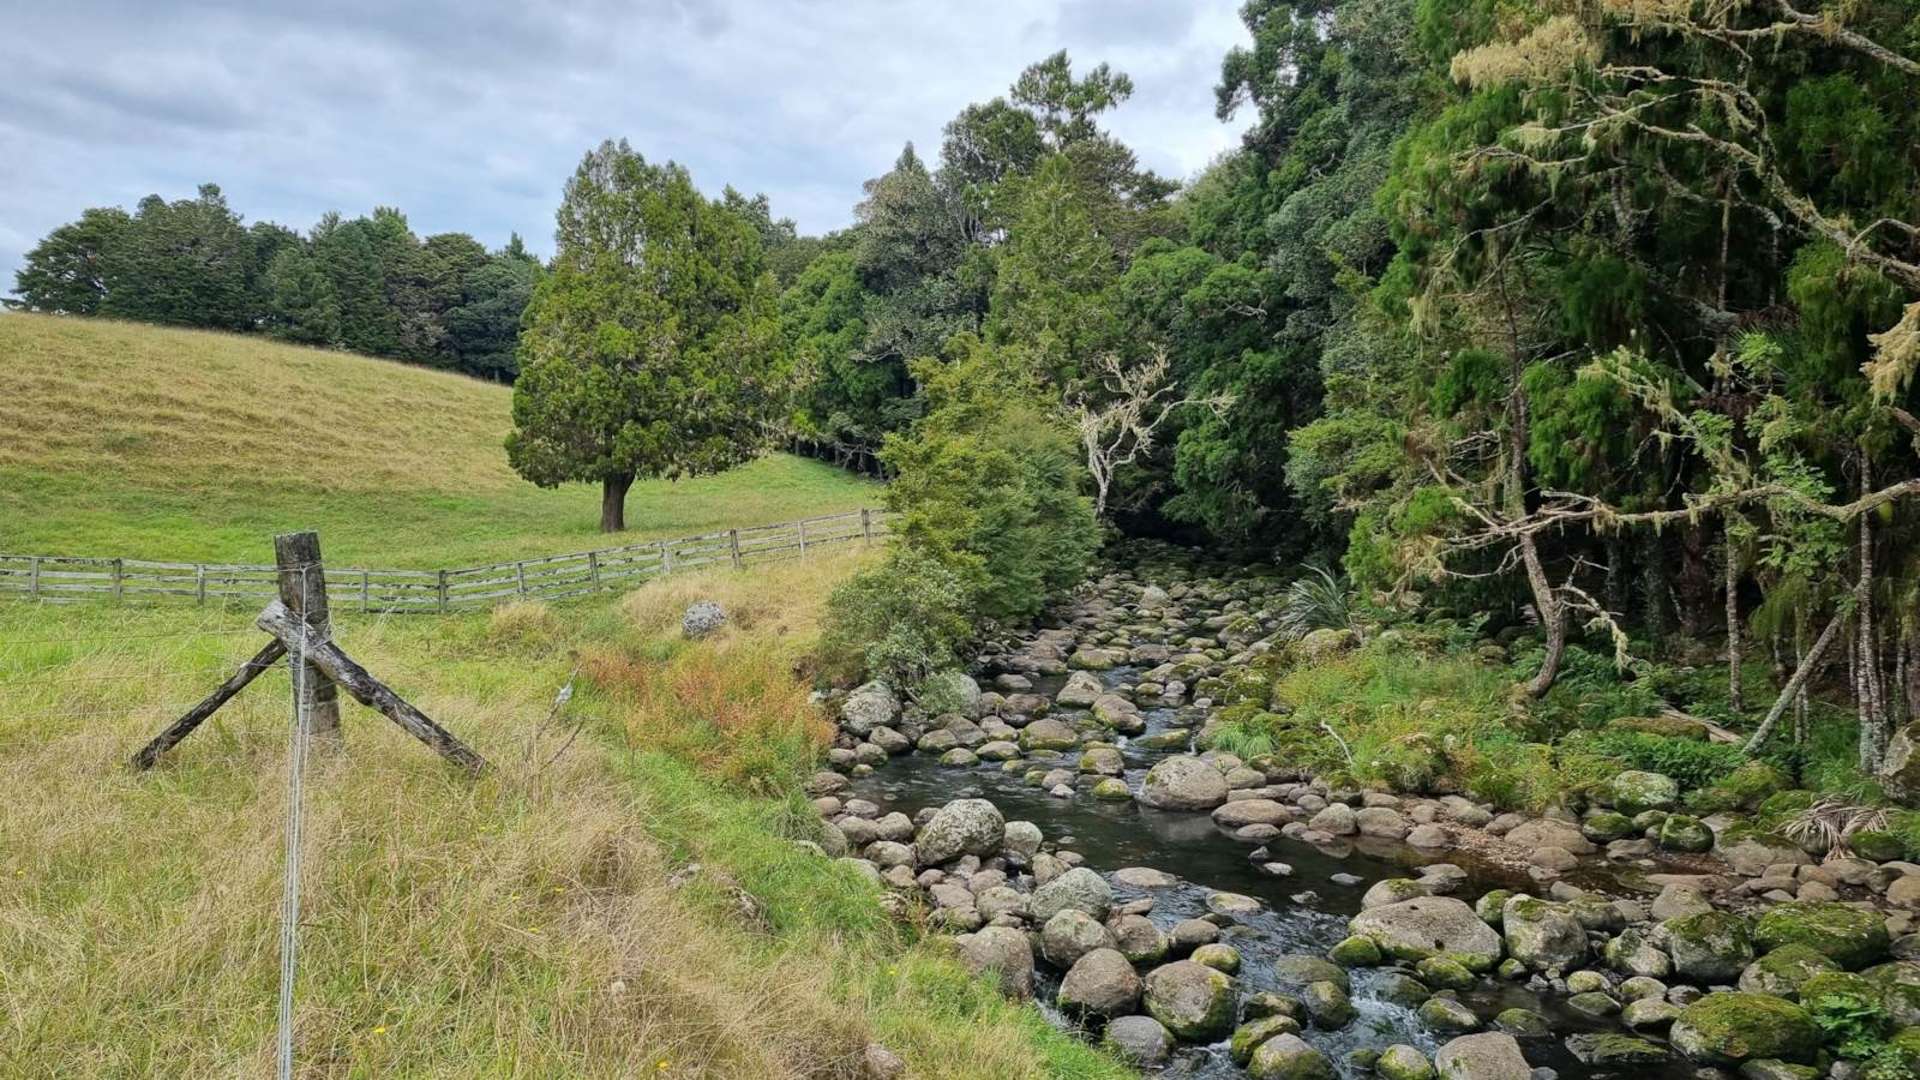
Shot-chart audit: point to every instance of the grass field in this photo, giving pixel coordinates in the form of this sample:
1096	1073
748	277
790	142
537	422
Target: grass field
139	441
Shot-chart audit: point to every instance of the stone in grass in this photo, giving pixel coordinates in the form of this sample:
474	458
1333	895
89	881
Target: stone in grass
1781	971
1288	1057
1003	953
1195	1002
1735	1027
1355	952
1327	1005
1444	972
1711	947
702	617
1403	1062
1848	936
1248	1036
1614	1049
1522	1022
1445	1014
1140	1040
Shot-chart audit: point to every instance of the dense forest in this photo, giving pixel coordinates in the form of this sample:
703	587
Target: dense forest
1599	320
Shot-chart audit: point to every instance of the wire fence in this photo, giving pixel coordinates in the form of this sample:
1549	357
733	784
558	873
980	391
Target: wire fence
66	578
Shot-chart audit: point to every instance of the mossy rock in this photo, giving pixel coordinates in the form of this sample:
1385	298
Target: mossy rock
1248	1036
1710	947
1605	826
1355	952
1681	832
1298	970
1634	791
1671	727
1782	971
1448	1015
1905	1046
1823	989
1609	1048
1328	1005
1848	936
1877	845
1523	1023
1490	906
1731	1028
1444	972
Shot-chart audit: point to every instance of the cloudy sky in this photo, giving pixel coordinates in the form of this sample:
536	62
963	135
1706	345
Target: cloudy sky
468	114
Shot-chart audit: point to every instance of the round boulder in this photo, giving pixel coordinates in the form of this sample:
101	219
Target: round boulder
1183	782
1101	983
1194	1001
1735	1027
962	827
1424	926
1079	888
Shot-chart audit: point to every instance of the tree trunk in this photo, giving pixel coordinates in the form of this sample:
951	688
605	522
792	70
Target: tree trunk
1799	681
1734	695
613	502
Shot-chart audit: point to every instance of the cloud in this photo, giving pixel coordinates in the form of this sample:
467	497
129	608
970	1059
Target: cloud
469	114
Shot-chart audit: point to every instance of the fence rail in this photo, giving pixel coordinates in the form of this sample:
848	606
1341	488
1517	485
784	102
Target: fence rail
66	578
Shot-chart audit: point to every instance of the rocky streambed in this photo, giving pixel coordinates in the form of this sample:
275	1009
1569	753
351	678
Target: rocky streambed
1216	917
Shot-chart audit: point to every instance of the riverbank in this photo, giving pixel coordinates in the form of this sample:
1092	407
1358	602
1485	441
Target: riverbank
1085	827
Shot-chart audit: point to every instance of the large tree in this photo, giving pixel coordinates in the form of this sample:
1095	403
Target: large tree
653	348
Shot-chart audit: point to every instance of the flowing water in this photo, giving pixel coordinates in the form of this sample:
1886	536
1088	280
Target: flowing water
1305	912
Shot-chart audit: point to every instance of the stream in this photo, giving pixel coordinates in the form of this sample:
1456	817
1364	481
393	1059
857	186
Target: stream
1304	912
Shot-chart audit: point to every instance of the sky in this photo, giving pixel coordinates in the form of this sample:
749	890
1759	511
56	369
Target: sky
469	114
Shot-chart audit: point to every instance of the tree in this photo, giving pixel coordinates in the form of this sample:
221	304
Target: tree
1116	431
653	347
483	329
188	263
66	273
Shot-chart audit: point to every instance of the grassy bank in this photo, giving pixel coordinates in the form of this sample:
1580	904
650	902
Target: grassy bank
122	439
520	925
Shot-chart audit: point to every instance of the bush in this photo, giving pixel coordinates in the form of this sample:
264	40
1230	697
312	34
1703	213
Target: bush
1693	763
900	621
988	482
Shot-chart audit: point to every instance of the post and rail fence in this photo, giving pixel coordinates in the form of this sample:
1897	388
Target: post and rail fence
64	578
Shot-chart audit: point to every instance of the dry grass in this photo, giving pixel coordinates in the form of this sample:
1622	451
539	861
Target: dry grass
123	439
521	925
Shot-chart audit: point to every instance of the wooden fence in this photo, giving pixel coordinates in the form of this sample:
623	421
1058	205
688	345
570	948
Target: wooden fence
58	578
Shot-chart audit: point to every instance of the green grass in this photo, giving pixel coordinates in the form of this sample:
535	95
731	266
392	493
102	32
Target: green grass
518	925
140	441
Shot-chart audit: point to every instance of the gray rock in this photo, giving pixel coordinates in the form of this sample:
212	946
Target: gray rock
868	707
1100	983
1413	930
1543	936
1194	1001
1004	953
1488	1056
1288	1057
1079	888
702	617
1071	934
1140	1040
962	827
1183	782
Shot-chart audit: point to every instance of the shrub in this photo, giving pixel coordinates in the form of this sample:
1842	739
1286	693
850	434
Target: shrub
900	621
1693	763
988	482
1316	601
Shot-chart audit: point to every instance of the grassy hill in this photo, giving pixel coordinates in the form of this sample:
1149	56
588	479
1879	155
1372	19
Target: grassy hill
123	439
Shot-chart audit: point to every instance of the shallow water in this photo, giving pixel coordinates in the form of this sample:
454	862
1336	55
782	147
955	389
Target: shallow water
1207	859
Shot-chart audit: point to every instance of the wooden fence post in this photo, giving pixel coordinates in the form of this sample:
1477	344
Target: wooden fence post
119	580
443	592
593	568
200	584
866	525
733	539
520	574
366	591
33	577
666	558
802	526
303	589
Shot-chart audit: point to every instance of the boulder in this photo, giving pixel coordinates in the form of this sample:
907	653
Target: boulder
1071	934
1005	954
1491	1055
1682	833
1634	953
868	707
1731	1028
962	827
702	618
1547	832
1712	947
1080	692
1296	972
1750	852
1403	1062
1597	1048
1248	1036
1635	792
1413	930
1541	935
1183	782
1447	1014
1194	1001
1079	888
1848	936
1140	1040
1100	983
1288	1057
1327	1004
1782	971
1047	733
1242	812
1326	642
1392	891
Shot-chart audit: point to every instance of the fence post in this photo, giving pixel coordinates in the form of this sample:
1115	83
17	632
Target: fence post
366	591
520	574
866	525
802	525
443	592
33	577
593	568
666	558
119	580
303	589
200	584
733	538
